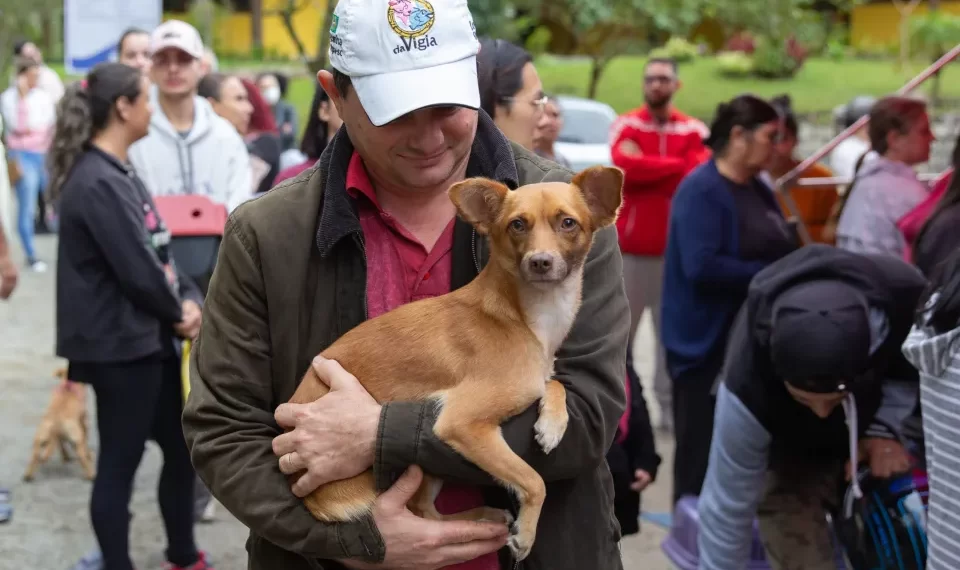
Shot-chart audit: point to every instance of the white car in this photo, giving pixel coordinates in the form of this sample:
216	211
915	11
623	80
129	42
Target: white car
585	137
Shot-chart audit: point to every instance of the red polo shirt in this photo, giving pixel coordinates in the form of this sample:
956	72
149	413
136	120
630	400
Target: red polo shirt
400	270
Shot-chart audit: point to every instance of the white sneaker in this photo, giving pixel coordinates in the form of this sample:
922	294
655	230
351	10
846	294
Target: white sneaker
38	267
210	513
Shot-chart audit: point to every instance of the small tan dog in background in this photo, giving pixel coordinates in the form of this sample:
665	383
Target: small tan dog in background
485	352
64	422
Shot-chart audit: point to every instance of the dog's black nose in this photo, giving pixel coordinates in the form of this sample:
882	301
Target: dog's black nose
541	263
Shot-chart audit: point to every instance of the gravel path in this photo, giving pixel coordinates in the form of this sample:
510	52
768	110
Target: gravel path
50	529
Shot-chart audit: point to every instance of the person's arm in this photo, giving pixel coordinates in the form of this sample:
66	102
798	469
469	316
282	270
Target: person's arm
699	242
239	176
640	443
734	485
229	422
589	364
639	168
189	290
125	245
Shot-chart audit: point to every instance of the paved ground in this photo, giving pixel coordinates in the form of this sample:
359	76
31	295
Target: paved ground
50	529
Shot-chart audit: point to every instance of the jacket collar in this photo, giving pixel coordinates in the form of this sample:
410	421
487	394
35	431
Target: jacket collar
490	157
673	115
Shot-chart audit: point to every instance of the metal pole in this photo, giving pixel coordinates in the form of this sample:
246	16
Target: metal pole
788	179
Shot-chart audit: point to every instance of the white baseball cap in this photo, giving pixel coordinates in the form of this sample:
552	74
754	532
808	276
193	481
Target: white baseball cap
178	35
404	55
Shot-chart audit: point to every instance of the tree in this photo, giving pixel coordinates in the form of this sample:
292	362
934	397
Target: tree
286	13
934	34
605	29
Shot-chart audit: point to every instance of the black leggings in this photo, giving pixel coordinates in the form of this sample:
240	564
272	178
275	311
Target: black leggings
135	402
693	406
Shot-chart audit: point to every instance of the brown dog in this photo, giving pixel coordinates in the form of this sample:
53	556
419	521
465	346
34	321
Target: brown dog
484	352
65	421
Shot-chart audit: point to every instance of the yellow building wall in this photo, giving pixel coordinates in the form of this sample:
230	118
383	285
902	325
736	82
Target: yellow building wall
874	25
233	33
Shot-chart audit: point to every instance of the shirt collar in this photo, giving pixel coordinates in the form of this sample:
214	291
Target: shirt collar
491	156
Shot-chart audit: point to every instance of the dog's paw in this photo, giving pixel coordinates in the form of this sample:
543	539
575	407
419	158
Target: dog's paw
549	431
519	547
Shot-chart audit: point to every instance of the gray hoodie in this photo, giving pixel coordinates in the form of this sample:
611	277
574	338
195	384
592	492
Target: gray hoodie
210	160
883	193
937	357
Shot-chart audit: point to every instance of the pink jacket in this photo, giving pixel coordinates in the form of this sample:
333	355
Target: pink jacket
911	223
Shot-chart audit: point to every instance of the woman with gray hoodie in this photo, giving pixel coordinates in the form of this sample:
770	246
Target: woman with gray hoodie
887	187
933	348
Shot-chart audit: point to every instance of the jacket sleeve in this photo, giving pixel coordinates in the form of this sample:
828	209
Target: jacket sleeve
125	245
228	420
701	248
239	175
641	444
589	364
189	290
641	169
734	485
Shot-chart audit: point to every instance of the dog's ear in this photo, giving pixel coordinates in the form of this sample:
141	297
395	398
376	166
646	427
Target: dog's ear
479	201
602	189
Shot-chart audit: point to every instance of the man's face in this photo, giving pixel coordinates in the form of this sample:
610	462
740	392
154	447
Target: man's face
820	404
175	72
659	84
420	150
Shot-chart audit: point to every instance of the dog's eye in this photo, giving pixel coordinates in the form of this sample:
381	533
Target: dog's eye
568	223
517	225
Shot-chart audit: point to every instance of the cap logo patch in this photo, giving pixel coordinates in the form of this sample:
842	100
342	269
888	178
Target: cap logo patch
411	20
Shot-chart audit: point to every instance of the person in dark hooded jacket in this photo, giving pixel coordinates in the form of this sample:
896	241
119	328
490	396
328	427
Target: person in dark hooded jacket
815	349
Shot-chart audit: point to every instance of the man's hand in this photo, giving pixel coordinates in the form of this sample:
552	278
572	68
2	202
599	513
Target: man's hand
415	543
333	438
8	277
630	148
887	457
189	326
643	480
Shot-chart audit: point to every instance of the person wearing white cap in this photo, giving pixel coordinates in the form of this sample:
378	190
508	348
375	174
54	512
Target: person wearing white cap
370	228
190	150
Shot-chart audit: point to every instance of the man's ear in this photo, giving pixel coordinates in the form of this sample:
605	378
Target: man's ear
479	201
602	189
325	78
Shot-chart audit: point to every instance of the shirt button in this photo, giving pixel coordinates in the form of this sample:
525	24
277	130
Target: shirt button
426	276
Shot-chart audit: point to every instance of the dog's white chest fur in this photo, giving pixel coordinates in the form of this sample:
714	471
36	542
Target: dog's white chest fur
550	313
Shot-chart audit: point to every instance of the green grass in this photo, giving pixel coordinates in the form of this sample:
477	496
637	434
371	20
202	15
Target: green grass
821	85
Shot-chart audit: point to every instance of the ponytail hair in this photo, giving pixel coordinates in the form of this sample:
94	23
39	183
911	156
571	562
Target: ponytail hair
87	107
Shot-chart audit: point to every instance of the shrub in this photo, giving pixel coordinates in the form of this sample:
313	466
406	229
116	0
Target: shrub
741	42
775	60
735	64
677	49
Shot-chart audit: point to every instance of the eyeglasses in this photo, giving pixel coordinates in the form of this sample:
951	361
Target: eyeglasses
538	103
651	79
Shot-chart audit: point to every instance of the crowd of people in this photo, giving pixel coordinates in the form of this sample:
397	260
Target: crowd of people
779	365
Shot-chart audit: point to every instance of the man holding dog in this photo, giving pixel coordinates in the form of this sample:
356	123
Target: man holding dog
368	229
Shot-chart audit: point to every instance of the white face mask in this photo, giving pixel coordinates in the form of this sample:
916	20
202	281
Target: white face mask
271	95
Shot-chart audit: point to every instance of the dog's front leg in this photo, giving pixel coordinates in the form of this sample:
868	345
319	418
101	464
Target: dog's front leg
472	435
552	423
